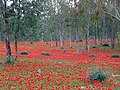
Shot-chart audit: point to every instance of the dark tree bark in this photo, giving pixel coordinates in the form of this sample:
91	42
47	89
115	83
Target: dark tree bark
8	48
112	33
7	39
86	41
112	38
95	36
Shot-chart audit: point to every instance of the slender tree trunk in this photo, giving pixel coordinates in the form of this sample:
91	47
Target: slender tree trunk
56	40
87	40
8	48
112	43
16	48
88	44
86	47
106	36
51	40
61	41
112	25
70	40
77	42
95	36
104	26
15	36
113	39
7	39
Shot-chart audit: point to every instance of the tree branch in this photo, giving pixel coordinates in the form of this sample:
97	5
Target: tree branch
118	18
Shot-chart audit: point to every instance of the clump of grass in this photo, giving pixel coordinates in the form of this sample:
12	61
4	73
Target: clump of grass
115	55
97	74
9	60
24	53
46	53
105	44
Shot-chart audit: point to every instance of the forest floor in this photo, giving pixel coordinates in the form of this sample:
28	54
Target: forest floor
64	69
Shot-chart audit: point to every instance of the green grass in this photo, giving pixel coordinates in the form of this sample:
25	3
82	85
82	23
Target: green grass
46	53
115	55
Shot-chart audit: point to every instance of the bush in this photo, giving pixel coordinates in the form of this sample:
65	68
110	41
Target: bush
46	53
115	55
105	44
97	74
9	59
24	53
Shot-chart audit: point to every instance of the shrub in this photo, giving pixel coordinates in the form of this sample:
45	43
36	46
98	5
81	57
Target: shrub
97	74
115	55
46	53
105	44
9	59
24	53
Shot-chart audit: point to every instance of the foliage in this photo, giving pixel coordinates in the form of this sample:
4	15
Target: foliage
46	53
97	74
105	44
24	53
115	55
9	60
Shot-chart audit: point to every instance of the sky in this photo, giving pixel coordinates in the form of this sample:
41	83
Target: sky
9	3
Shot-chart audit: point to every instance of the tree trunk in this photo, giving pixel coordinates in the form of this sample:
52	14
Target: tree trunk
112	43
8	48
87	40
86	47
88	44
112	34
70	40
61	41
51	40
77	42
95	36
16	48
104	26
113	38
7	40
56	40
